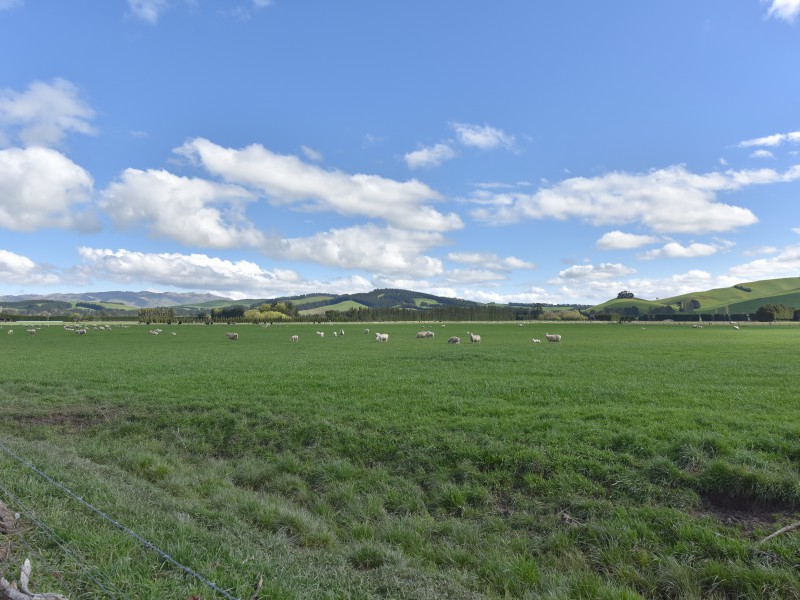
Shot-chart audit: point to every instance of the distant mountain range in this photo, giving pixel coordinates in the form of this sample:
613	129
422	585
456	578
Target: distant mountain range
133	299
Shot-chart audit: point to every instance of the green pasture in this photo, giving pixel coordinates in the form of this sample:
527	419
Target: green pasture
624	462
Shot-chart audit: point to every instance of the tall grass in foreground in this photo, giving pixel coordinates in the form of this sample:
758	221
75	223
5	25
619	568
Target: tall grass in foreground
622	463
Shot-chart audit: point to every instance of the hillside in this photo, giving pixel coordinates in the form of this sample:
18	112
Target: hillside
742	298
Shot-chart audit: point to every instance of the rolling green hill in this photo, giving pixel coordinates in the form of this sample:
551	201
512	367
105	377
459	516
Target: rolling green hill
741	298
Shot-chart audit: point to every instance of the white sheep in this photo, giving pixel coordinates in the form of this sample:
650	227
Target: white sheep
552	337
535	341
454	340
10	332
321	334
474	338
341	332
31	331
382	337
233	336
335	334
366	331
294	338
155	332
736	327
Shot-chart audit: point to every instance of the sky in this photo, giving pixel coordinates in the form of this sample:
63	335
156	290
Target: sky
509	151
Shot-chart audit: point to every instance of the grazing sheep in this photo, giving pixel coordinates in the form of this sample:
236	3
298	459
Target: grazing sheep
736	327
454	340
10	332
335	334
474	338
552	337
535	341
366	331
425	334
341	332
155	332
81	332
294	338
173	333
321	334
382	337
233	336
31	331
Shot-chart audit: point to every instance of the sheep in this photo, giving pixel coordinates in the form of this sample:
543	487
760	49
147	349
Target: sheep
173	333
233	336
535	341
736	327
341	332
81	332
335	334
474	338
425	334
31	331
321	334
155	332
381	337
552	337
294	338
10	332
454	340
366	331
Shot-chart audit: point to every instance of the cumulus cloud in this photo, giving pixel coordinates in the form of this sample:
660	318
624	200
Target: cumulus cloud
483	137
148	10
760	250
762	154
665	200
44	114
491	261
618	240
42	188
603	271
202	272
18	269
676	250
432	156
194	212
775	139
286	180
786	10
371	248
785	264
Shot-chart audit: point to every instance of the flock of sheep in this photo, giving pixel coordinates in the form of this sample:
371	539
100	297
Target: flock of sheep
384	337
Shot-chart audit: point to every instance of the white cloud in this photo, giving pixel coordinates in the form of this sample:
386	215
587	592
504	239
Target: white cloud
371	248
604	271
786	10
45	113
483	137
238	279
473	276
312	154
618	240
775	139
676	250
286	180
41	188
490	260
760	250
762	154
665	200
194	212
18	269
432	156
148	10
784	264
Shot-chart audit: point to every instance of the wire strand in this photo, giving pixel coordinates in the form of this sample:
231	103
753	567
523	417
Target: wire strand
146	543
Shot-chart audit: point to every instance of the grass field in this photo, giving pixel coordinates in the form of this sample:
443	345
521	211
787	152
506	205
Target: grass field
623	462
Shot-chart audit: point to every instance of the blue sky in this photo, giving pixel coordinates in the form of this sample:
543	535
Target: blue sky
496	151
